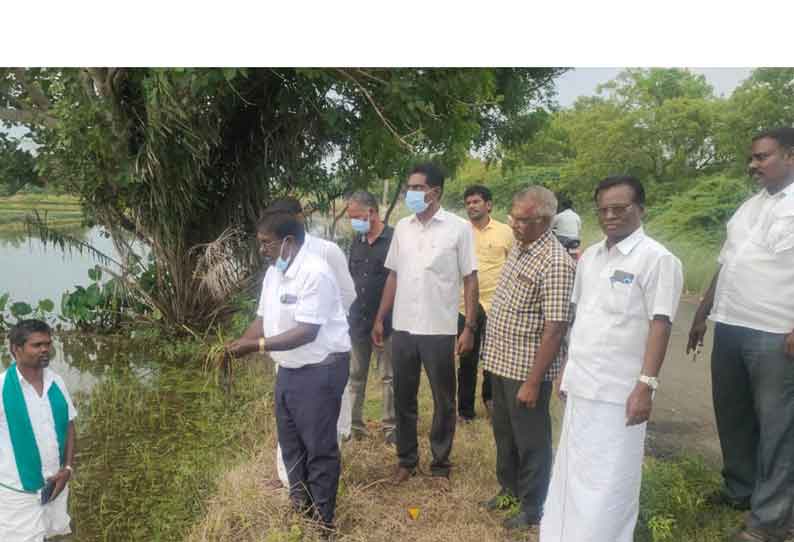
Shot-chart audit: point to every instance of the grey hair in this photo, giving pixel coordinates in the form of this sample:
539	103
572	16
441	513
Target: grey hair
543	197
365	199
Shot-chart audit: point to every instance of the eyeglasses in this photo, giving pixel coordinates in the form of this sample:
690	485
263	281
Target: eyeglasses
525	221
616	210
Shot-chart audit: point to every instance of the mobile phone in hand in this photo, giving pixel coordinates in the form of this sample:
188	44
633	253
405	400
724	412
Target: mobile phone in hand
46	492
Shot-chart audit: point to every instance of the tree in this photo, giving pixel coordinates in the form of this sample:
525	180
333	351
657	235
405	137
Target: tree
186	159
17	167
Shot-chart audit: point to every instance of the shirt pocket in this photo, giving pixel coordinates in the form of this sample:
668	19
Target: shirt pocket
780	236
443	257
618	296
524	297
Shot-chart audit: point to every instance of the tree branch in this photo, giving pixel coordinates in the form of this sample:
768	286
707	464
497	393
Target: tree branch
32	87
371	101
394	198
25	116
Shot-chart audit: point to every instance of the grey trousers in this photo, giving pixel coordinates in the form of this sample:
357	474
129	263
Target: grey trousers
753	390
436	353
359	373
523	443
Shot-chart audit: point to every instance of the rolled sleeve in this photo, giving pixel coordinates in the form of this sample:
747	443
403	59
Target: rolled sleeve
467	259
557	290
315	300
663	288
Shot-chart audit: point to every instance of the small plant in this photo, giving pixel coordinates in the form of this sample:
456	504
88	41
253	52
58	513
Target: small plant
97	307
20	310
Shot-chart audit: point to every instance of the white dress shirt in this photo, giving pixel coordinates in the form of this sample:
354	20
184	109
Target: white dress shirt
337	261
755	288
617	292
306	293
430	261
41	419
567	224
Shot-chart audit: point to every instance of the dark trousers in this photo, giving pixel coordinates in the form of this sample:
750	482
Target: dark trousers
753	390
437	354
523	444
308	400
467	370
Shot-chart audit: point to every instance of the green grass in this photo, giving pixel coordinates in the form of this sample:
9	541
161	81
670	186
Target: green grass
60	211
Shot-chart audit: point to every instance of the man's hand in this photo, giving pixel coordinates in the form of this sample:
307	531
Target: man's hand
639	404
242	347
377	333
528	394
60	478
465	342
789	345
696	334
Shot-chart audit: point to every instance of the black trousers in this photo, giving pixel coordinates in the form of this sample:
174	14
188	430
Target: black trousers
753	390
308	401
437	354
467	370
523	444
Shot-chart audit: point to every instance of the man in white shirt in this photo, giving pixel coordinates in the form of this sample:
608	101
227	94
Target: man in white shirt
626	293
431	253
567	225
751	301
37	440
337	261
302	324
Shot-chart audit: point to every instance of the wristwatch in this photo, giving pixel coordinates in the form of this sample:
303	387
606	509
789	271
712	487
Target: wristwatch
261	345
650	381
472	326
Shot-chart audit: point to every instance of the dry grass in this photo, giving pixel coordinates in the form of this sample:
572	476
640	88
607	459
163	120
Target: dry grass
368	507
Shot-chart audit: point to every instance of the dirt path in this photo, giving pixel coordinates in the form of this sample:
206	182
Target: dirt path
682	421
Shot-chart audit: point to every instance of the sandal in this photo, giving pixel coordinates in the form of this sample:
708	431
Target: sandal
752	535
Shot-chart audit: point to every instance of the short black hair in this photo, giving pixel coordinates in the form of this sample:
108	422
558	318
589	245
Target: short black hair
282	225
564	201
19	334
434	175
284	205
478	190
783	135
617	180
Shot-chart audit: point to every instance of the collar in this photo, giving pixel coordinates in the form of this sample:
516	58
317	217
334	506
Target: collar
297	261
488	226
46	377
440	215
626	245
536	244
386	234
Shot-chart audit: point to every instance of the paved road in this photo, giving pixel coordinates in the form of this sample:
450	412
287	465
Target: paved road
682	421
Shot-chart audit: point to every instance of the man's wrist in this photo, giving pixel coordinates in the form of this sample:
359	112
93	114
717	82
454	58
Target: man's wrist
471	326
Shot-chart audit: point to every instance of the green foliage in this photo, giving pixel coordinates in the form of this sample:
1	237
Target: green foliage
673	503
17	167
98	307
20	310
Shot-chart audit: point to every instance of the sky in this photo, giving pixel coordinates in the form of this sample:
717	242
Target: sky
583	81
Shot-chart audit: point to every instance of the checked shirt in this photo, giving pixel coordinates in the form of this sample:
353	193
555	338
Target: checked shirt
535	286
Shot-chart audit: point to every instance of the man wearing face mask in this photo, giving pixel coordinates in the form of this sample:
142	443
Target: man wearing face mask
301	323
336	260
371	241
431	253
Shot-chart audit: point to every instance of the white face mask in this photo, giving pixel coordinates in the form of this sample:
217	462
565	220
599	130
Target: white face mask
282	263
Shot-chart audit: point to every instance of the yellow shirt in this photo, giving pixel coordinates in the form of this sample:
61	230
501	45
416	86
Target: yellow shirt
492	244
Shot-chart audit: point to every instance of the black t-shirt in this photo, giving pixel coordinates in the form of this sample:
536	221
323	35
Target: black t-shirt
369	276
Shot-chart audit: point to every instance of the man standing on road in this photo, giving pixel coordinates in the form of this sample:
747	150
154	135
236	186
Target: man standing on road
626	294
371	242
528	319
751	301
431	252
492	243
301	323
37	440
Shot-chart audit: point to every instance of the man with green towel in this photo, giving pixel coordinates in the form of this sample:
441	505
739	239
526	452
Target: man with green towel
37	440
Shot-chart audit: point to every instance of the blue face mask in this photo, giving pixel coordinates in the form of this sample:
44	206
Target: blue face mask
359	226
415	201
281	264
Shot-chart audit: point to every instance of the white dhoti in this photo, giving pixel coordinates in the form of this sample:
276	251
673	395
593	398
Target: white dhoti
595	484
343	427
24	519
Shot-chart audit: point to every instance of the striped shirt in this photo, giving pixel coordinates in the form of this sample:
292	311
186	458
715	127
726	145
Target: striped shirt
535	286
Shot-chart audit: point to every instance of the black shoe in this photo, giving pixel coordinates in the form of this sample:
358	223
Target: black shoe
522	520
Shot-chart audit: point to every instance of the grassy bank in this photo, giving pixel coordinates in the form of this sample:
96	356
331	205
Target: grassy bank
61	211
673	505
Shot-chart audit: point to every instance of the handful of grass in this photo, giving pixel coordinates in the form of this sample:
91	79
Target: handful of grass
220	362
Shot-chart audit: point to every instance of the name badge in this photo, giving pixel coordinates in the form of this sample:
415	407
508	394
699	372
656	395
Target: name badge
622	277
289	299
